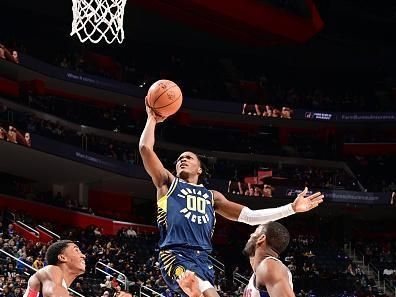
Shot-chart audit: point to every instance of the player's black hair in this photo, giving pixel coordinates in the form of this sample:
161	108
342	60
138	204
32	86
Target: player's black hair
205	175
277	236
55	250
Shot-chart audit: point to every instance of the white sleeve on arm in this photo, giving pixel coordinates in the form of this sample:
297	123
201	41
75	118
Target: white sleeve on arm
262	216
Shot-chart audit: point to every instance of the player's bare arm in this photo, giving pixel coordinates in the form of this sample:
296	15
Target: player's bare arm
237	212
161	177
50	278
272	275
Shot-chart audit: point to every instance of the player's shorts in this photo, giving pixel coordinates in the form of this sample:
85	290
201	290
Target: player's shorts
175	261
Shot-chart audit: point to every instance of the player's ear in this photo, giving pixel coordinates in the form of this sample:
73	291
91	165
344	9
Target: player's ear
200	170
261	239
61	258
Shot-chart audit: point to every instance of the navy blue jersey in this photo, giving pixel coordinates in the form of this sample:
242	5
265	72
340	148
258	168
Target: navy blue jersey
186	217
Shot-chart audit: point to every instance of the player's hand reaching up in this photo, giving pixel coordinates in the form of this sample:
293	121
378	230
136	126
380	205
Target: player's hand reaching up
158	118
303	203
188	282
152	114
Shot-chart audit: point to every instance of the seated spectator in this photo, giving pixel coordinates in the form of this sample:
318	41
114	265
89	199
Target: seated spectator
12	134
38	263
15	56
5	54
286	112
267	191
28	139
257	191
3	134
131	233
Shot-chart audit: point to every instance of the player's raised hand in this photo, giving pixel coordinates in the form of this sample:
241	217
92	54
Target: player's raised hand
158	118
303	203
188	282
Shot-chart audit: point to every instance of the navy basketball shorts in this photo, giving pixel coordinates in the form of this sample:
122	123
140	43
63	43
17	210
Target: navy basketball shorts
174	262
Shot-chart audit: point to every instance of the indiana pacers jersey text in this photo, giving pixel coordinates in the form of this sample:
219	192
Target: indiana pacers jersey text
186	220
186	217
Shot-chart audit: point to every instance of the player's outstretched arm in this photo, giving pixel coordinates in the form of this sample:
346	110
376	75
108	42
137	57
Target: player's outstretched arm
151	162
237	212
273	275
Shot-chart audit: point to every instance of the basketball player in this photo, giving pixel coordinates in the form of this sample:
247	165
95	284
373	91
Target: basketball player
270	276
186	212
65	263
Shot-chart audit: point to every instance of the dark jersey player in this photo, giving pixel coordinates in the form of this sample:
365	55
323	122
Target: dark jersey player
186	212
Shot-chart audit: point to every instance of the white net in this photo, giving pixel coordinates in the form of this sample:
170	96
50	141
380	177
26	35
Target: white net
97	19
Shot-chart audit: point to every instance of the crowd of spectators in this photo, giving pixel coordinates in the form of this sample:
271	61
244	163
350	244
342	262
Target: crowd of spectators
52	129
117	118
296	176
265	182
382	254
10	133
319	268
111	117
8	54
257	90
128	252
267	111
381	165
258	93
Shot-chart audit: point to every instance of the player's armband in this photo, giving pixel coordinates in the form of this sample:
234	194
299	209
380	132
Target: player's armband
31	293
263	216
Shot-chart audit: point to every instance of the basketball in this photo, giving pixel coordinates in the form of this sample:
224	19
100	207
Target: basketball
164	97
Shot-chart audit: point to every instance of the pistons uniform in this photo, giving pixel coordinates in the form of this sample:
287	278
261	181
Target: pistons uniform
251	289
186	219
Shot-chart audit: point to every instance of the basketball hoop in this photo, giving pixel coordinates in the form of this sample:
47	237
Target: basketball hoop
97	19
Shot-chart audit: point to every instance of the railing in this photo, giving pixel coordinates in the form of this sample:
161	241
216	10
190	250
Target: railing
386	284
242	279
49	231
125	282
151	291
236	276
390	286
34	269
29	228
216	263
